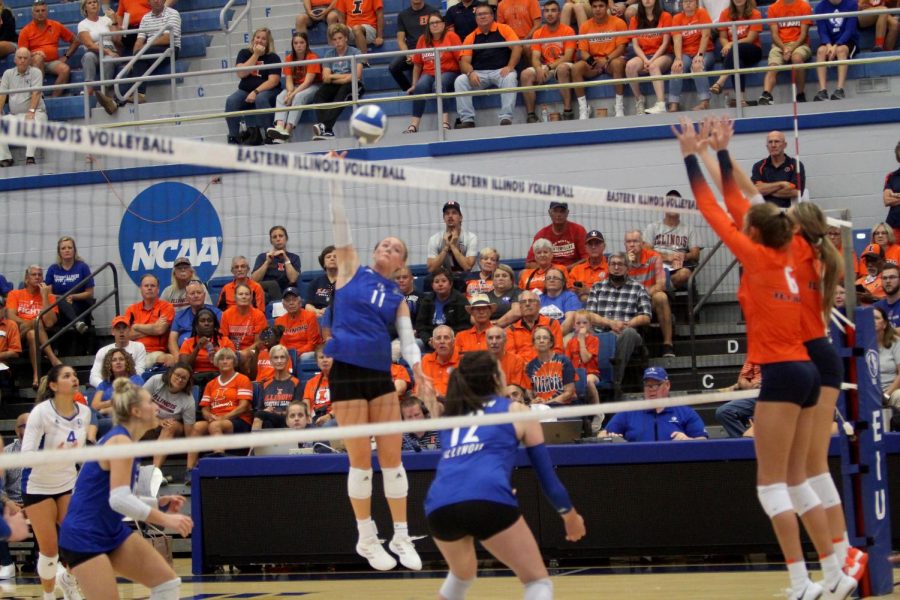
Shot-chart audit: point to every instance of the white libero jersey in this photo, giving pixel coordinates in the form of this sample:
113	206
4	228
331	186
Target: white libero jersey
47	429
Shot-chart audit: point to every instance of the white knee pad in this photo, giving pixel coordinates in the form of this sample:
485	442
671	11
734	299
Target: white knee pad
774	498
455	588
539	589
359	483
803	497
823	486
395	483
46	566
169	590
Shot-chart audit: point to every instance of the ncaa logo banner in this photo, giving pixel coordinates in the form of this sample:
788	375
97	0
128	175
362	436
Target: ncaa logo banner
167	221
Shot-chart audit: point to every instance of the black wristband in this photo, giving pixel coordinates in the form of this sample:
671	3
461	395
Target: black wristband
724	164
692	163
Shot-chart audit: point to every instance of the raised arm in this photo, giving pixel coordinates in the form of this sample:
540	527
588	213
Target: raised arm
347	258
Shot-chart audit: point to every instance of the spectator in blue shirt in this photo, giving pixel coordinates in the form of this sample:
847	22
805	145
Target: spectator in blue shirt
890	283
557	302
184	319
676	423
68	271
838	38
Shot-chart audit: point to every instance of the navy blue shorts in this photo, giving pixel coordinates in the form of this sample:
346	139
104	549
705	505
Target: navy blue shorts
240	425
825	357
796	382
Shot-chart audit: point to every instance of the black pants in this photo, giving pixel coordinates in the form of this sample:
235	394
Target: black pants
749	55
143	65
401	71
333	92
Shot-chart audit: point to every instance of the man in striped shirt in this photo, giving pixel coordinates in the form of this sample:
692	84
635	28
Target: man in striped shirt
646	267
160	17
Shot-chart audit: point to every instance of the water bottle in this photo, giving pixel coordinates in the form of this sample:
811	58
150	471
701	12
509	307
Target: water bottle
210	349
545	114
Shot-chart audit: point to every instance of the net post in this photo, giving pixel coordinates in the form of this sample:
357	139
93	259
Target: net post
863	458
849	266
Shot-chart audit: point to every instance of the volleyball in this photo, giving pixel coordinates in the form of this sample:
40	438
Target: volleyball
368	124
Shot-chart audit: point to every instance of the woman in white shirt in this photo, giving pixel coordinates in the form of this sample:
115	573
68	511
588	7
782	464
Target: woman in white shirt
888	358
89	30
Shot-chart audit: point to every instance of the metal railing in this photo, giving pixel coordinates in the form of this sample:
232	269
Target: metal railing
141	54
114	294
235	21
693	310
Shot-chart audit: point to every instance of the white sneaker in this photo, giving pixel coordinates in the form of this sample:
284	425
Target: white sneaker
68	584
372	550
620	110
639	105
841	590
659	107
318	131
8	571
811	591
403	547
584	113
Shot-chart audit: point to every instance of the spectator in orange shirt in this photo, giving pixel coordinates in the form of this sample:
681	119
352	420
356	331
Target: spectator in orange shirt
882	235
301	84
365	18
150	321
583	350
869	287
242	324
523	16
317	11
23	307
694	53
511	364
601	54
651	54
199	349
423	76
550	62
480	308
301	327
268	338
747	46
518	334
646	267
135	10
584	275
437	365
240	268
41	36
790	44
10	347
317	394
400	377
533	279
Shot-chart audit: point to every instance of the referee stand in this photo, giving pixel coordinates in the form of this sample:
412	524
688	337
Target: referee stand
863	457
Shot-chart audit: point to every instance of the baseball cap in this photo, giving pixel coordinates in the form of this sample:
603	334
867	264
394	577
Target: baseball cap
564	205
480	300
594	234
182	260
675	193
451	204
120	320
873	250
656	374
290	290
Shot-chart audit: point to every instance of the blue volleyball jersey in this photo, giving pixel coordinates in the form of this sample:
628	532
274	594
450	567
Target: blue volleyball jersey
476	462
91	526
362	311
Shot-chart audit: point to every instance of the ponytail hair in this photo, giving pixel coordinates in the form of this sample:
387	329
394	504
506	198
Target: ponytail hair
125	396
814	229
44	391
775	228
472	383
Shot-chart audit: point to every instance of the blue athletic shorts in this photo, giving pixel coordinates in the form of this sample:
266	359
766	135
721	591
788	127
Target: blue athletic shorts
825	357
796	382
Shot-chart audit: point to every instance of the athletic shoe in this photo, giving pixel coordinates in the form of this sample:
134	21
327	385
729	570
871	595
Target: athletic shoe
668	351
8	571
277	133
465	124
820	96
318	128
108	104
506	121
568	115
855	565
531	118
656	109
841	590
766	99
371	549
584	113
811	591
403	547
838	94
801	97
67	583
639	106
620	110
327	135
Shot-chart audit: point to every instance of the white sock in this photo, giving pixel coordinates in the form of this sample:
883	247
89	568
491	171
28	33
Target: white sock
401	529
831	568
366	528
582	102
49	596
620	99
799	575
841	548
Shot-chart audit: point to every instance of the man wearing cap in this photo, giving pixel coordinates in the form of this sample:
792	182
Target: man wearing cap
453	248
121	330
10	346
676	243
301	326
439	364
480	308
184	319
42	36
646	266
776	176
518	334
150	320
583	276
870	284
566	236
510	363
890	284
676	423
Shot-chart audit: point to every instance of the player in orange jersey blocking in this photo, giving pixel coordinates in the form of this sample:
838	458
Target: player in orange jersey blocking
604	52
550	62
365	18
790	45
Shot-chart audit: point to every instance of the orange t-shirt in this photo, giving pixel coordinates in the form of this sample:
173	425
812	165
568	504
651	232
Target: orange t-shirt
789	31
298	74
9	336
573	353
518	338
222	398
203	362
650	270
587	274
449	60
891	255
513	368
725	17
301	331
650	42
226	296
603	44
27	306
873	286
479	286
552	51
690	39
138	315
44	39
471	340
264	369
317	395
136	10
360	12
518	14
399	373
533	279
438	371
242	329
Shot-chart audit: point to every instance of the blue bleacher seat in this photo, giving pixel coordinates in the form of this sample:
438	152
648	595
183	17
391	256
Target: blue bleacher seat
607	352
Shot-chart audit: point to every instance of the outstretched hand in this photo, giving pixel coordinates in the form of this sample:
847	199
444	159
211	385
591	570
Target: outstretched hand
721	132
687	136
